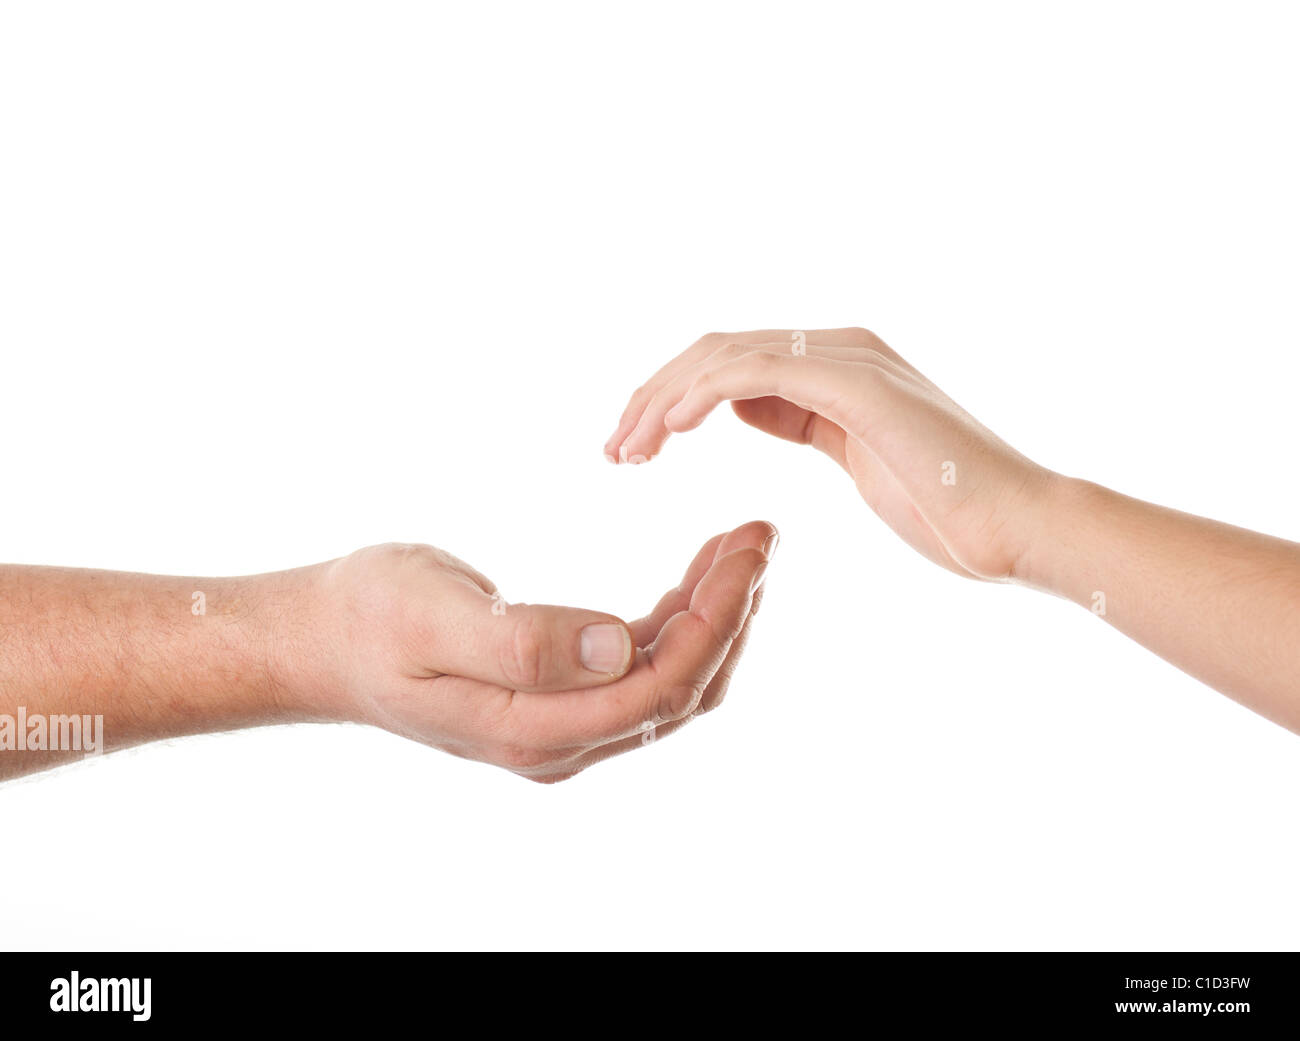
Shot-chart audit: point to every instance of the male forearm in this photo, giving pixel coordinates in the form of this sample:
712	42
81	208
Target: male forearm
400	636
151	656
1220	602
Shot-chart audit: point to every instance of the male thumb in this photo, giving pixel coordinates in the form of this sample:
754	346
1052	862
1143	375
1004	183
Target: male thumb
535	647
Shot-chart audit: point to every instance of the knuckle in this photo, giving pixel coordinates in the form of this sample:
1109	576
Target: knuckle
680	700
731	349
705	381
523	657
862	337
637	402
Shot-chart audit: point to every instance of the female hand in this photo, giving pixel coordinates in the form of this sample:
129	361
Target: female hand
946	484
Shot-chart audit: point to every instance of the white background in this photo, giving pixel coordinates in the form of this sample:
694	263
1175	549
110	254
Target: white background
281	280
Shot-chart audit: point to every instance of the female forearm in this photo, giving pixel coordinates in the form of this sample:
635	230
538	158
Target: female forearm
1220	602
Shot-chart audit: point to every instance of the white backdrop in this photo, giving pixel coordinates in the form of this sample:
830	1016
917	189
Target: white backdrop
279	280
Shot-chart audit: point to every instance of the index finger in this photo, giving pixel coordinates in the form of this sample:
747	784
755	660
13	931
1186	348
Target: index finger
701	349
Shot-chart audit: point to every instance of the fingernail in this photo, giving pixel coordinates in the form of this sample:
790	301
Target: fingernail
757	580
610	459
605	647
622	453
769	547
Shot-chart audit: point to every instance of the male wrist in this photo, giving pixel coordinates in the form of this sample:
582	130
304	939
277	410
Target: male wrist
289	647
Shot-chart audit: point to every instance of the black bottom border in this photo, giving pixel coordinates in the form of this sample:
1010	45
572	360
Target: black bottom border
1139	993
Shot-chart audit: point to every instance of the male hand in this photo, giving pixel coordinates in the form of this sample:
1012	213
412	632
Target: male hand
413	640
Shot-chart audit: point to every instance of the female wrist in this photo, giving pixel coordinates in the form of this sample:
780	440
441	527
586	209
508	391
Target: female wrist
1051	541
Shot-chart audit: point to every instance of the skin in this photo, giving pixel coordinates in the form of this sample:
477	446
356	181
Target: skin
403	637
1220	602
